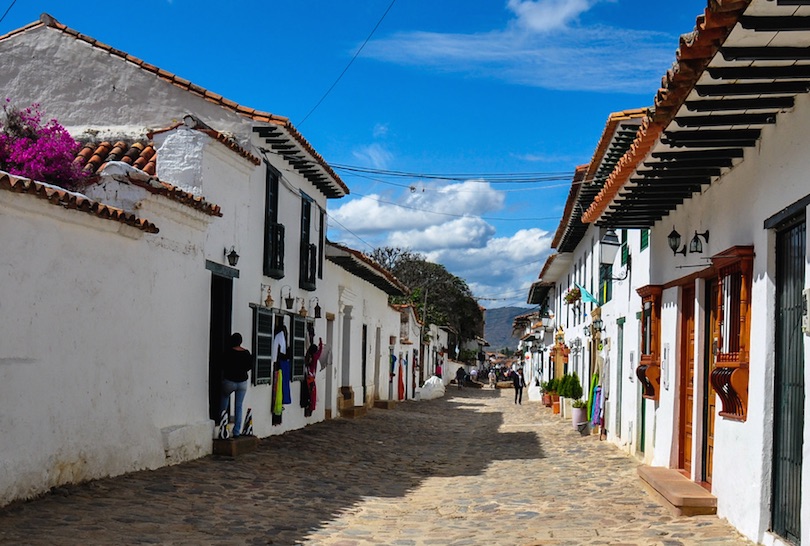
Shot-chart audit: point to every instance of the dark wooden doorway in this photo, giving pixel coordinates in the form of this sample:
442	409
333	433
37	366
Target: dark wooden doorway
709	396
789	380
221	310
686	362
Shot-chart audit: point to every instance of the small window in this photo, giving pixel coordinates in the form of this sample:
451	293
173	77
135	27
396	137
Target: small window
645	238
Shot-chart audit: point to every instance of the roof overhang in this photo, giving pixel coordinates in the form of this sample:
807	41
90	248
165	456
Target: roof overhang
741	68
360	265
620	131
284	140
538	292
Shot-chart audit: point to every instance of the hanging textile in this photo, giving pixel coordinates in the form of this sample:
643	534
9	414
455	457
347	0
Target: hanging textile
596	420
311	363
591	391
286	378
277	404
401	386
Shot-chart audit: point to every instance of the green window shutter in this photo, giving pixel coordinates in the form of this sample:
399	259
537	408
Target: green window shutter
645	238
625	249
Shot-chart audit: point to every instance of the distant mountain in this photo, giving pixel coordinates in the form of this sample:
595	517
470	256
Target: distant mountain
498	329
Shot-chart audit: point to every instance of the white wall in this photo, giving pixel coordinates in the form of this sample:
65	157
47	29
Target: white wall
104	346
772	176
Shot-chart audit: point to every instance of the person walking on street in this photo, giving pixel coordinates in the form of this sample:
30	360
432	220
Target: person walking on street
236	363
519	383
492	377
460	374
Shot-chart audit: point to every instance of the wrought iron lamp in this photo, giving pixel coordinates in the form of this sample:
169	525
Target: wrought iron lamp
233	257
317	309
289	301
695	246
609	246
674	240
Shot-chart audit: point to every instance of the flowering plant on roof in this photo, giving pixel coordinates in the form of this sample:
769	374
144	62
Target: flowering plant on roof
42	152
572	296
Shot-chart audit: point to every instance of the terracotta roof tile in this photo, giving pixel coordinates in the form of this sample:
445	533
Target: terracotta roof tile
693	55
256	115
142	156
75	201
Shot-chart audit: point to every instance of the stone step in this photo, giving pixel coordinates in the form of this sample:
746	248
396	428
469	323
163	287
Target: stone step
677	492
385	404
355	411
233	447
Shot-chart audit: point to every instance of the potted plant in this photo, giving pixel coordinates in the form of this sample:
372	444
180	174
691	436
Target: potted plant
573	296
579	413
563	389
546	388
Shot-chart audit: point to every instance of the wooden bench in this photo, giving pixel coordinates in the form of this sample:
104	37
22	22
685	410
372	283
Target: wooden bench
678	493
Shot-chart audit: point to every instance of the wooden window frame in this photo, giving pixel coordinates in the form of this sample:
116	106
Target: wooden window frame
308	257
732	330
649	364
273	263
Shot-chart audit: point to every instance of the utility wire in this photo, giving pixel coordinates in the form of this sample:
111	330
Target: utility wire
348	65
455	215
413	187
501	178
8	10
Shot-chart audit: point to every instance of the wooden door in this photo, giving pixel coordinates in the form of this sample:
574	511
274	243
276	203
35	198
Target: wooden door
687	378
709	397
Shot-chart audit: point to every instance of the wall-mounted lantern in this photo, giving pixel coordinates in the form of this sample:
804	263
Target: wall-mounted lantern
232	256
695	246
674	240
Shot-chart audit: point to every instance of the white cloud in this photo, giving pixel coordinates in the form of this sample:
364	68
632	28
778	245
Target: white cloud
540	48
457	233
418	210
546	15
374	155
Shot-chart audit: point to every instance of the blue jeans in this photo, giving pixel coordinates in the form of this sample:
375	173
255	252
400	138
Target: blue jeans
240	388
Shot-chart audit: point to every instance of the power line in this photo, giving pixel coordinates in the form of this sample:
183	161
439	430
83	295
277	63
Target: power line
8	10
413	187
455	215
349	64
495	178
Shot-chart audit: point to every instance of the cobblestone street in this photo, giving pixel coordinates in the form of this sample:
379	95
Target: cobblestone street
471	468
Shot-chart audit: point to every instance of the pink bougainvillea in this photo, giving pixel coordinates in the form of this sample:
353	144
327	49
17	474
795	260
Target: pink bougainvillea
42	152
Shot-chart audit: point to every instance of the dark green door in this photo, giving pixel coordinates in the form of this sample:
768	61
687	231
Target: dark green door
788	380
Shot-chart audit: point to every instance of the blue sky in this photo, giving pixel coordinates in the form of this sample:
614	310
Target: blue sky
490	91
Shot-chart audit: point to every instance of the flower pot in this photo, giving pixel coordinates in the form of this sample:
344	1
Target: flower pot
555	397
578	416
555	407
565	407
547	400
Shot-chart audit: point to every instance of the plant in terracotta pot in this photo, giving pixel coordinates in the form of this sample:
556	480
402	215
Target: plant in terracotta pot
565	390
579	407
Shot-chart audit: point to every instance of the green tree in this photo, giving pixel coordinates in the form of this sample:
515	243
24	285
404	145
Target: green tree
448	298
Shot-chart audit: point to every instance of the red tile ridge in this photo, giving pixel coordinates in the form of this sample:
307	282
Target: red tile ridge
694	53
73	201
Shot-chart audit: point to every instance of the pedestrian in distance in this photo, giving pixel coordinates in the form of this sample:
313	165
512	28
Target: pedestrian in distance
492	377
519	383
460	375
236	363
